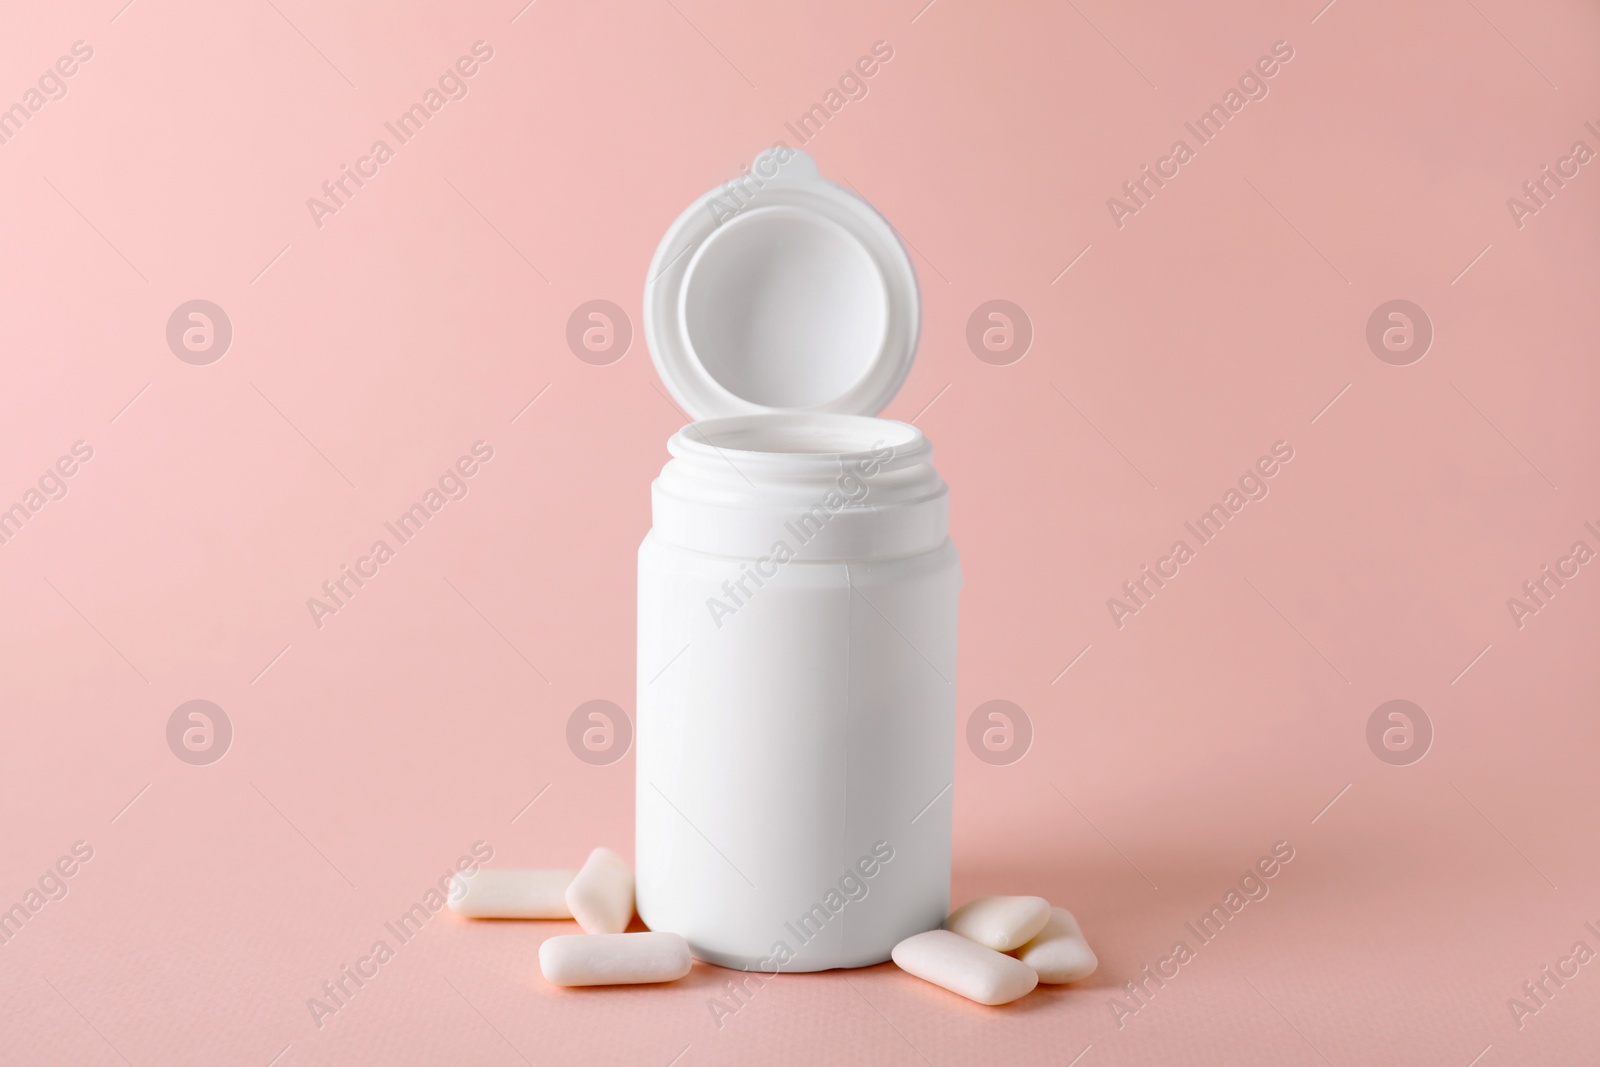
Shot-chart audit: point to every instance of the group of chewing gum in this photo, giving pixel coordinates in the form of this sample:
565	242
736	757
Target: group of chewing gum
599	895
992	950
997	949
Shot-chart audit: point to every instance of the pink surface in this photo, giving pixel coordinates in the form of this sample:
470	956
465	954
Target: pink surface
1168	353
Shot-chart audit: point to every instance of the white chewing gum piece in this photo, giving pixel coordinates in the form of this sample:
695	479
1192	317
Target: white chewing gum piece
1001	923
965	967
1059	954
614	959
494	894
601	894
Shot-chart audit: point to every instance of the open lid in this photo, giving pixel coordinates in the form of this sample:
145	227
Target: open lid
781	292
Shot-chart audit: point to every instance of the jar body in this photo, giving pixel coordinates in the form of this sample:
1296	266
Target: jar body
796	720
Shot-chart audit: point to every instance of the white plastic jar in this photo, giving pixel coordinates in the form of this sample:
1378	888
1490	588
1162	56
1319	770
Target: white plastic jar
797	594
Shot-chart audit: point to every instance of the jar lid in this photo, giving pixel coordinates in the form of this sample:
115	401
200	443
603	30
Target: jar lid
781	291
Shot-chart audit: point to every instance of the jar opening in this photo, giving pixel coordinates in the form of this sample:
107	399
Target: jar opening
799	435
831	487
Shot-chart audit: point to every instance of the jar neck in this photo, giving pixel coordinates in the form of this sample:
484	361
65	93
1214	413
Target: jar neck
828	487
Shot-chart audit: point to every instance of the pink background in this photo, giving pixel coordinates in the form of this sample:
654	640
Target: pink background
424	316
